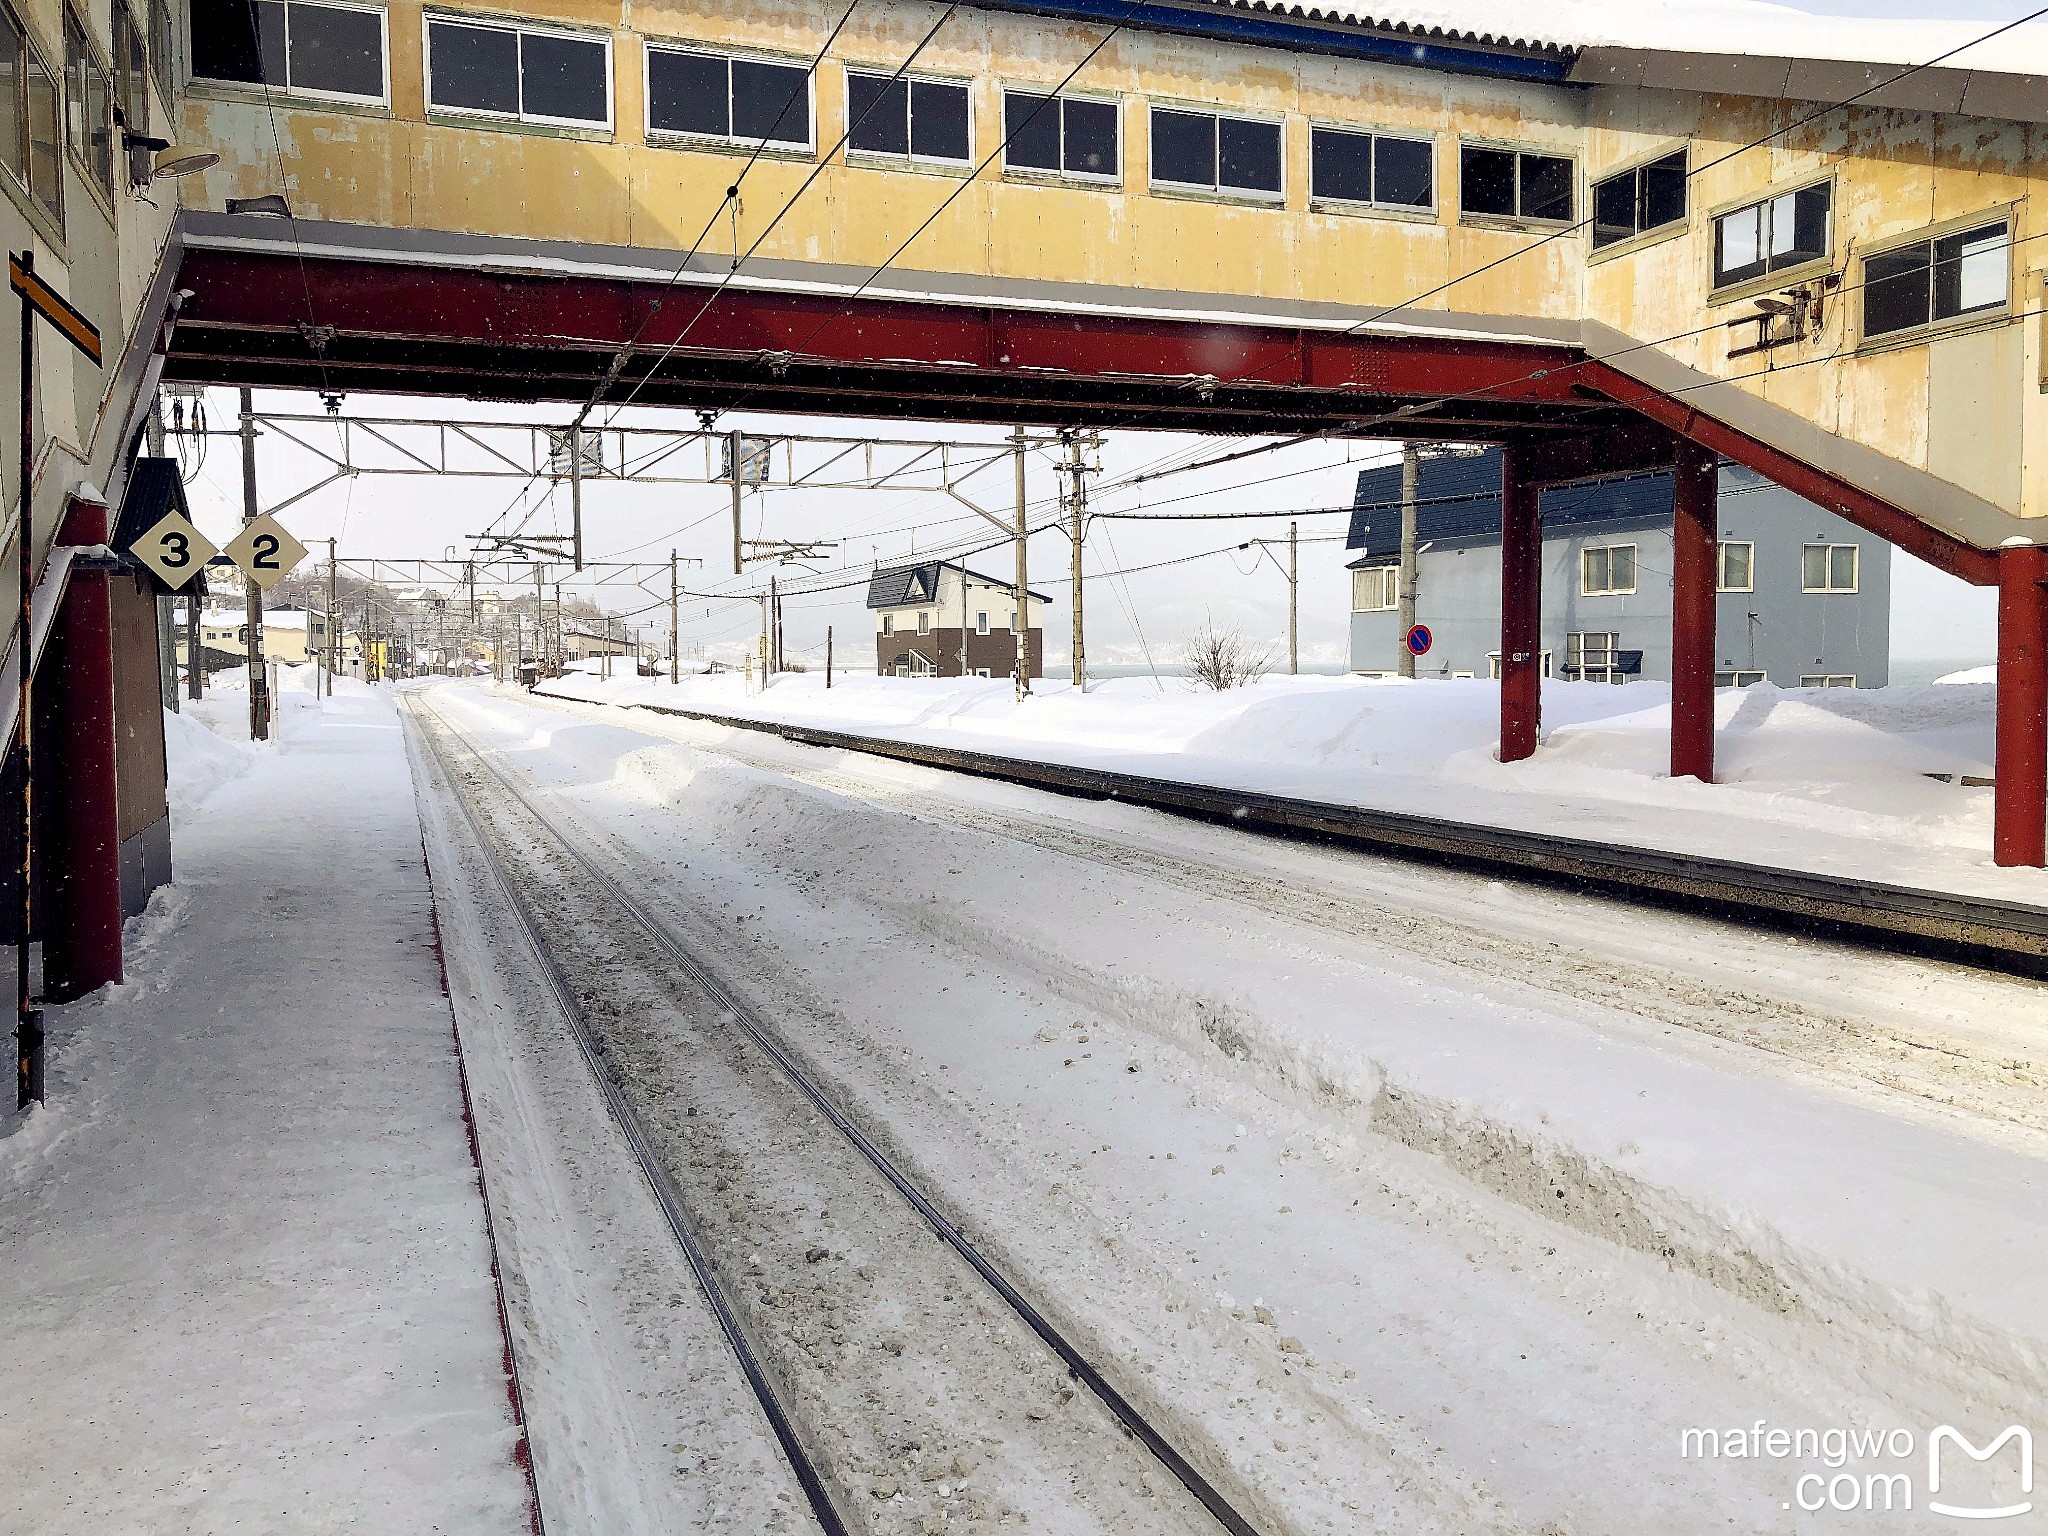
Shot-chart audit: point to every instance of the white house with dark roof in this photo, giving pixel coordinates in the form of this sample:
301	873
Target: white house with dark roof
939	619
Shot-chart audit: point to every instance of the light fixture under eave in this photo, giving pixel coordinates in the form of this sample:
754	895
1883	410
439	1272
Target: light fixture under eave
270	204
184	159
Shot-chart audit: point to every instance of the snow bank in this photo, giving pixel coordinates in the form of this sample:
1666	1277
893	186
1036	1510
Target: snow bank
197	762
1972	675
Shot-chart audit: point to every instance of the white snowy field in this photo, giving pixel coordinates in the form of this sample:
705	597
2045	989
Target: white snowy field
1417	1201
1836	781
246	1284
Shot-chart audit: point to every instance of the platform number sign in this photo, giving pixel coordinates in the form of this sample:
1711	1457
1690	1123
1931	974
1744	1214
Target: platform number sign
174	549
265	552
1419	640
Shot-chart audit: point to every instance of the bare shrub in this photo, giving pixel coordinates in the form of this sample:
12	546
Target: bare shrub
1220	658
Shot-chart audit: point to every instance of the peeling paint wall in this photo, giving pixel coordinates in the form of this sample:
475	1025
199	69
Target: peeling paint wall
1968	408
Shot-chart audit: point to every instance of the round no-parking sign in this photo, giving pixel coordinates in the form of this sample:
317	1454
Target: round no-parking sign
1419	639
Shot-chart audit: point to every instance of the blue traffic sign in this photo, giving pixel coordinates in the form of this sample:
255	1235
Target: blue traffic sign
1419	639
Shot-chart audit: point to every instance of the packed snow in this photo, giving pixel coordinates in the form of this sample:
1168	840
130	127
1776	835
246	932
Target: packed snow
1883	783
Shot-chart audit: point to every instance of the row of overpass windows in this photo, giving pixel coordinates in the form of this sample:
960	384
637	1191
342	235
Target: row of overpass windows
561	77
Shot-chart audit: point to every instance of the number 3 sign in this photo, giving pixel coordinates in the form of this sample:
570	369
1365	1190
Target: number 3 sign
174	549
265	552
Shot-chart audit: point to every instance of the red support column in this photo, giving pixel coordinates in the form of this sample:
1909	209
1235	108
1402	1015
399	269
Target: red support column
82	831
1521	610
2020	805
1695	544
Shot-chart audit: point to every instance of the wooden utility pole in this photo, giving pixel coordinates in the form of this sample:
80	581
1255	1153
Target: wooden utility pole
1293	599
675	666
1078	531
576	494
1021	616
735	443
252	595
828	655
195	668
1411	477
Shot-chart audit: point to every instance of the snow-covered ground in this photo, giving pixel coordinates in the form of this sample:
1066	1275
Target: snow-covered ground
1413	1201
1837	781
244	1279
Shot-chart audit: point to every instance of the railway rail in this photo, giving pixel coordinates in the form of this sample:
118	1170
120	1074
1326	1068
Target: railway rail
748	1023
1996	935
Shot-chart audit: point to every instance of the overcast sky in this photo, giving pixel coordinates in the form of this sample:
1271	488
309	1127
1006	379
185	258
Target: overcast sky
1143	614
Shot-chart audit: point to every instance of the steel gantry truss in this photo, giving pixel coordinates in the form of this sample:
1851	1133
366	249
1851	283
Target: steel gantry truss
555	455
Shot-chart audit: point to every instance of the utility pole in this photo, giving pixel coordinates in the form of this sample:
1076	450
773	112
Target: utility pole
1411	477
166	618
561	635
1077	505
195	666
1293	599
538	658
734	442
576	493
675	666
828	655
333	622
774	627
1020	620
252	601
761	645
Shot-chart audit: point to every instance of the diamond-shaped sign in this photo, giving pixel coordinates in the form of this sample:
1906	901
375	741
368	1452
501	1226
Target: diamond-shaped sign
174	549
265	552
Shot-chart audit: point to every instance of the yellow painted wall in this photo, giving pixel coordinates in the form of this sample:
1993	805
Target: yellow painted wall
1893	172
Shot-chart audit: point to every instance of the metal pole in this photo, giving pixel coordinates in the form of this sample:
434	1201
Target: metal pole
195	667
738	557
166	622
252	595
675	667
1077	533
1293	599
1020	619
774	627
1411	475
761	646
28	1028
333	622
576	492
828	655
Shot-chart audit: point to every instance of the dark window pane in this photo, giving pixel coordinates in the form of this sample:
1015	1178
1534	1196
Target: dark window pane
1895	290
1248	155
45	145
1663	192
1090	141
1970	272
1739	244
99	118
1807	240
564	78
475	69
771	102
1486	179
1614	209
1184	148
1403	173
1340	165
938	120
1546	187
878	114
337	50
224	41
688	93
1031	131
13	126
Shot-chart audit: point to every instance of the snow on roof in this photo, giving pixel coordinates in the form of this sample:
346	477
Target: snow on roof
1750	28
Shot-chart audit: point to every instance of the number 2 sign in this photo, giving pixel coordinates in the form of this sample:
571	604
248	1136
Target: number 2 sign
265	552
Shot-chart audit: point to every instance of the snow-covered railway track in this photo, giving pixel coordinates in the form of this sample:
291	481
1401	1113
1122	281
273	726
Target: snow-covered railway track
823	1475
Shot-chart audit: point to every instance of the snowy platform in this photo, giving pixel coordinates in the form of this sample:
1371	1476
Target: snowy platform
1884	784
247	1281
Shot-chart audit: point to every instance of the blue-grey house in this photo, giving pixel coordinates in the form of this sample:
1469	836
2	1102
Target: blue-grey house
1805	597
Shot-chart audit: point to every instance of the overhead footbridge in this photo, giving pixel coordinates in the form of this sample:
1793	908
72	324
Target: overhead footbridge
1194	216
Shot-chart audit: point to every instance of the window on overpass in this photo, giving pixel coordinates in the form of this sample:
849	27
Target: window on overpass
1208	152
1930	281
1378	169
920	119
28	119
741	100
1069	135
88	106
316	50
1633	203
1516	184
1784	231
529	74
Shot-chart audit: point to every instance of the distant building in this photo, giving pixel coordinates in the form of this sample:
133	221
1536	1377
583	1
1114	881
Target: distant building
290	635
581	642
1805	597
938	619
